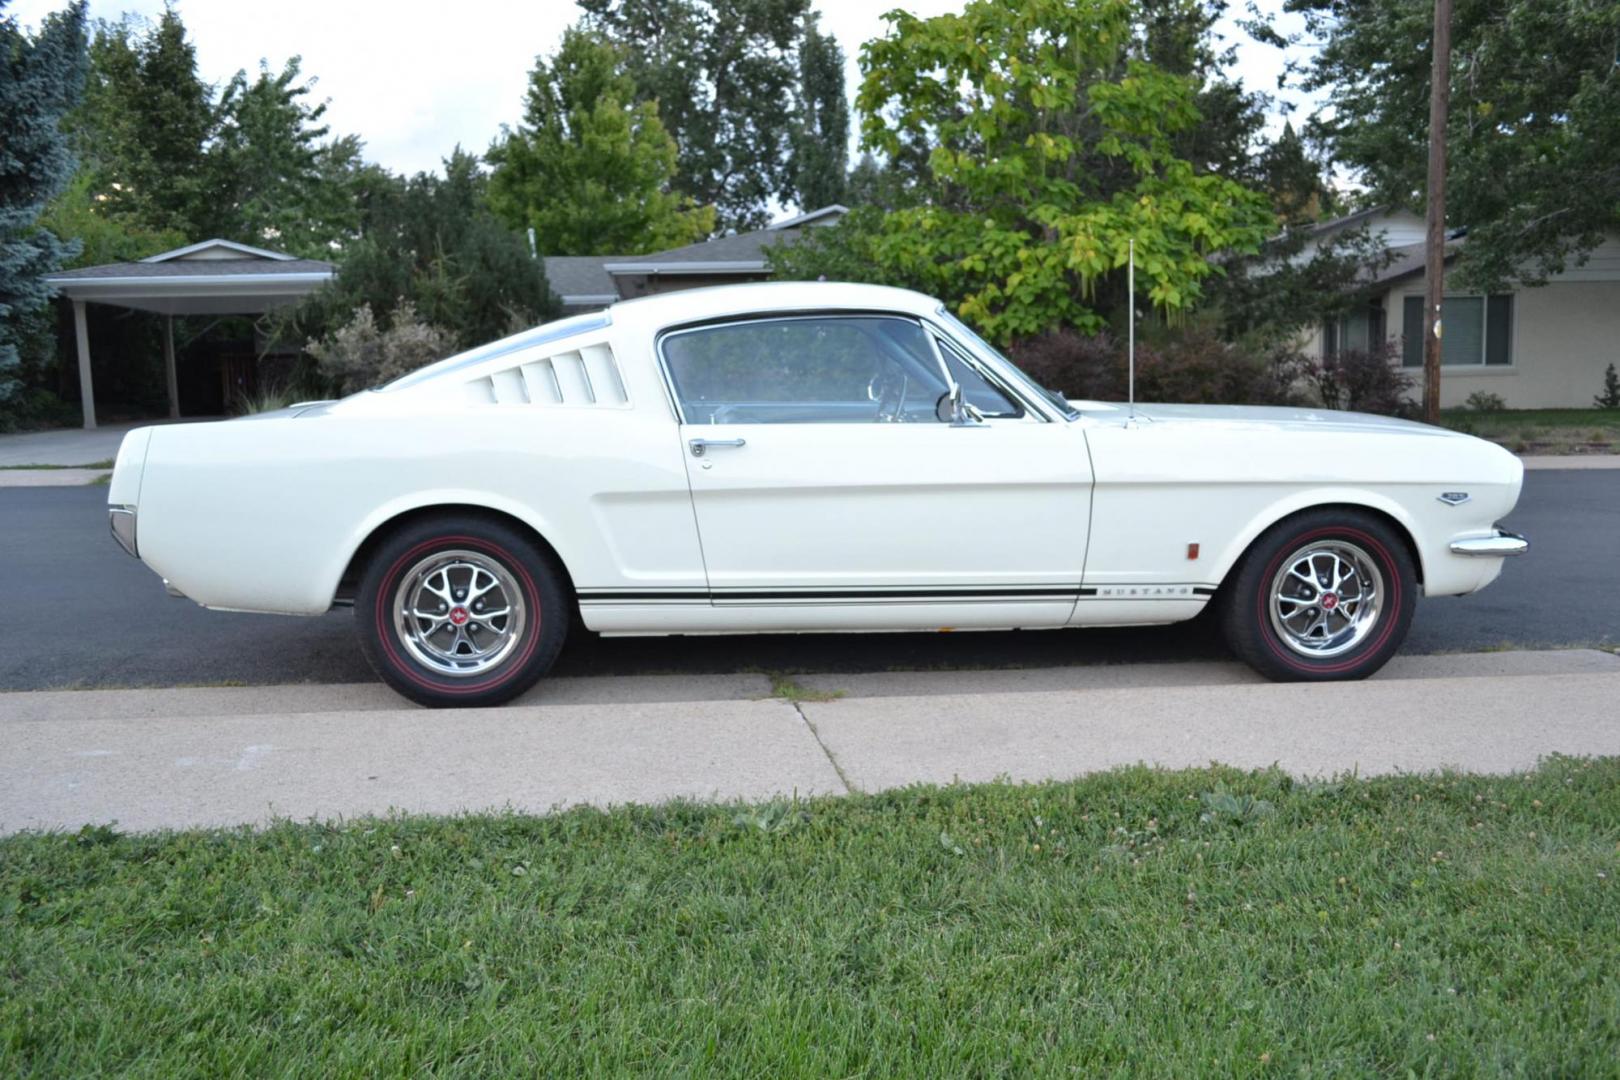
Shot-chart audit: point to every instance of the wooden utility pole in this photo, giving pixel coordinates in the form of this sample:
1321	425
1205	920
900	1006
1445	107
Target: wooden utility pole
1435	271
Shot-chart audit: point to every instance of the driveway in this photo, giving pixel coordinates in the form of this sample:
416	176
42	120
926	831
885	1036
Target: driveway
107	622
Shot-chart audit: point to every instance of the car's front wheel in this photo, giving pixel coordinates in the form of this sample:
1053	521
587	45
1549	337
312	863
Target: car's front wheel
1326	594
461	611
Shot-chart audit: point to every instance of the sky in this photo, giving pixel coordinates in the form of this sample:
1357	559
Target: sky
414	84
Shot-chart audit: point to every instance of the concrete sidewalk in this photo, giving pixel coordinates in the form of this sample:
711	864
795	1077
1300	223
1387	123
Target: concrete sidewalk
68	446
150	759
14	478
65	451
1571	461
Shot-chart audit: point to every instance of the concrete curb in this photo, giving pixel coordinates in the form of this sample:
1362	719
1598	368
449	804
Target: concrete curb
50	477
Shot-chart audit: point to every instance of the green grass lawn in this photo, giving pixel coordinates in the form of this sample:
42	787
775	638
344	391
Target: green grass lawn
1205	922
1542	431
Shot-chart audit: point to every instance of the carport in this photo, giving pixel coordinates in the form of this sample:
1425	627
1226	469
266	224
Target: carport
214	277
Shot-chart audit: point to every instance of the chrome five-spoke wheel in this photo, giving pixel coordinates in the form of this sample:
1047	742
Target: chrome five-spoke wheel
1326	598
459	613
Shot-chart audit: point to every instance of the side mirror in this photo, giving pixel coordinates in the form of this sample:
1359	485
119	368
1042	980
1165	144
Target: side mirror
953	410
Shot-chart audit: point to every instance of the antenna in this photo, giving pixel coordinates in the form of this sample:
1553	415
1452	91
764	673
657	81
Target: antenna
1130	353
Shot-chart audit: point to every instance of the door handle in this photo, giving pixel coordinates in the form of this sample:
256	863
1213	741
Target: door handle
701	446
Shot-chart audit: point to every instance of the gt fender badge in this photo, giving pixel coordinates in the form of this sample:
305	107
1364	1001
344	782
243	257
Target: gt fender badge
1454	498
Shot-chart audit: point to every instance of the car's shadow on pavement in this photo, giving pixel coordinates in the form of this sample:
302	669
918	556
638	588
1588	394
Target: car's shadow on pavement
589	654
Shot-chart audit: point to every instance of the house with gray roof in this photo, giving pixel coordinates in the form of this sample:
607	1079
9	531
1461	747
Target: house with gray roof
592	282
1536	347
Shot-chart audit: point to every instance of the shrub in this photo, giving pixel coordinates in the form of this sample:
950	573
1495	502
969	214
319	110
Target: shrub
33	409
1075	365
1195	366
1363	381
361	354
1483	401
1610	398
1192	366
270	397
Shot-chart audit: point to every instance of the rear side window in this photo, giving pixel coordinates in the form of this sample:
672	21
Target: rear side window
805	370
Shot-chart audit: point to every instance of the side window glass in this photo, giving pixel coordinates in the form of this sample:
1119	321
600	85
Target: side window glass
817	370
977	391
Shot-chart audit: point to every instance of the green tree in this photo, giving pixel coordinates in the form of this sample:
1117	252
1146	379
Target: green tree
821	133
432	242
1533	141
1294	180
272	176
80	213
41	77
723	74
589	169
165	154
144	125
1054	145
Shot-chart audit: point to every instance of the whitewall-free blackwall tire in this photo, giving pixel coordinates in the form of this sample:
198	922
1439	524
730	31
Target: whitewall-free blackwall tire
461	611
1326	594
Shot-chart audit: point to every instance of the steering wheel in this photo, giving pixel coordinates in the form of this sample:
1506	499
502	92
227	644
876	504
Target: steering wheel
889	389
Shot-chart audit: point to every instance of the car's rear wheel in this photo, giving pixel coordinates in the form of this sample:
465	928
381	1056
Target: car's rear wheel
1327	594
461	611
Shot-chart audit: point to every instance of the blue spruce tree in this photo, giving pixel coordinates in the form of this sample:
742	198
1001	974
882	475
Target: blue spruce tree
41	76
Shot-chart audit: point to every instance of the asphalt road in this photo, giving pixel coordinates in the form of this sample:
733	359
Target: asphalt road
83	614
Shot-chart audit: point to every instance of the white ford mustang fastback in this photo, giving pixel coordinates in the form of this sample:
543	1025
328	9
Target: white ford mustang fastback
793	457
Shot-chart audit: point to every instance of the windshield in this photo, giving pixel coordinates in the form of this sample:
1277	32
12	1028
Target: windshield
1056	399
540	335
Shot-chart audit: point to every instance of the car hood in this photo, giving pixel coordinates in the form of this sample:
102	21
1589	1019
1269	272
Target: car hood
1259	416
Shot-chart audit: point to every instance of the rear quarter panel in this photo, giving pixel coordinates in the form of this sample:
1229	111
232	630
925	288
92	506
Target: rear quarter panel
265	515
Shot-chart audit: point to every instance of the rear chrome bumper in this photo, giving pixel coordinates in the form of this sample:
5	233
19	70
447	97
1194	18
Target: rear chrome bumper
1498	546
121	519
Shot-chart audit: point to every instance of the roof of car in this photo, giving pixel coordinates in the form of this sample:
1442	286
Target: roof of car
695	305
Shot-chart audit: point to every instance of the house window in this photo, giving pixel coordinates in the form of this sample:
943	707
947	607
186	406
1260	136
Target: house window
1356	331
1477	331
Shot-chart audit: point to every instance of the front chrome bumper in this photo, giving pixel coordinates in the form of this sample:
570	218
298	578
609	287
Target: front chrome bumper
121	519
1500	545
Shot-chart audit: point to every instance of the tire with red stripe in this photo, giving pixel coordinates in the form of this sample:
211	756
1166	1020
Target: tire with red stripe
461	611
1323	595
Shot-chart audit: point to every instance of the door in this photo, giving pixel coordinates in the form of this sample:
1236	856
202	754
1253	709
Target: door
829	492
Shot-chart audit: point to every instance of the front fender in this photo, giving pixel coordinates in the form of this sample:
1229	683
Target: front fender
1296	502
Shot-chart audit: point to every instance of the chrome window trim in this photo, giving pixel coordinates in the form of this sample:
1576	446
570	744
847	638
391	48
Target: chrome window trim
1009	371
1041	412
1006	390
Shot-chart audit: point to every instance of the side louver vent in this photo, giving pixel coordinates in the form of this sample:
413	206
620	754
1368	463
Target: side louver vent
584	376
